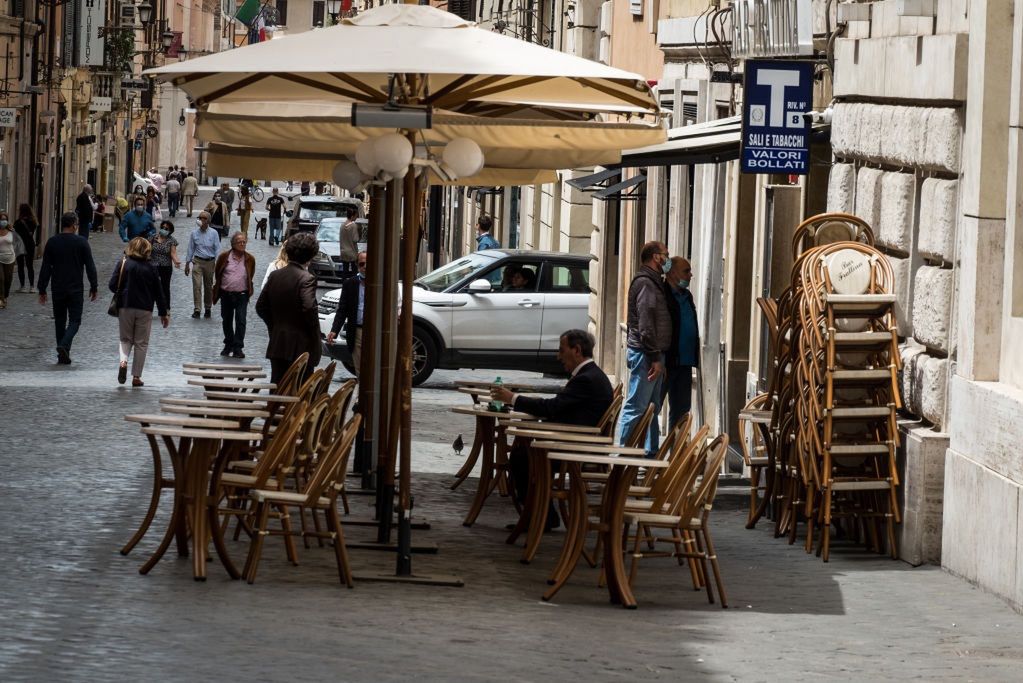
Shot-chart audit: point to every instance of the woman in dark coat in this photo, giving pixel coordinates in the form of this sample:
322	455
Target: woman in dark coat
27	228
137	287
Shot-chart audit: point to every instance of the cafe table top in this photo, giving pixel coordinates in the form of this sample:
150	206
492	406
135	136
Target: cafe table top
481	410
222	366
224	374
559	427
198	433
538	432
200	402
466	386
231	384
594	448
596	459
250	397
215	411
180	421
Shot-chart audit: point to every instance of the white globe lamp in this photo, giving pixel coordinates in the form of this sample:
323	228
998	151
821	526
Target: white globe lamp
464	157
366	157
393	153
347	174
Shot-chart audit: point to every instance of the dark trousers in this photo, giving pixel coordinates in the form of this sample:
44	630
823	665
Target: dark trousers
279	367
173	203
678	388
84	227
518	464
67	316
165	276
25	262
233	307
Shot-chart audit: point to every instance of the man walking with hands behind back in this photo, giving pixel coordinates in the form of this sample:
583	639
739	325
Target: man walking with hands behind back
684	353
203	245
64	258
232	285
649	336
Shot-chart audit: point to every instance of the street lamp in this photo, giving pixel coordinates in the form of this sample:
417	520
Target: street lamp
181	119
167	39
145	11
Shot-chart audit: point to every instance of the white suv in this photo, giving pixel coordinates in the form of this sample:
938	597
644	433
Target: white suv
500	309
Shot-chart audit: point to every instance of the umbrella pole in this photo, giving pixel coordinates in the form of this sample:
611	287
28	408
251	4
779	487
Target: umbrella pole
388	337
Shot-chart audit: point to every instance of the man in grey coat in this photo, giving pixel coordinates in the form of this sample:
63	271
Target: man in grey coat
649	336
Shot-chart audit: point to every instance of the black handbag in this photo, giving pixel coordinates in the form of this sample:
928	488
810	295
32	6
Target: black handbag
114	309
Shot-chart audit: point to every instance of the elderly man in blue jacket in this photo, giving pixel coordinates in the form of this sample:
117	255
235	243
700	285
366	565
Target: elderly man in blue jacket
684	353
137	222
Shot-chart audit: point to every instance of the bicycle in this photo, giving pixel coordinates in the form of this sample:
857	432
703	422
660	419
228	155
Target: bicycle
257	193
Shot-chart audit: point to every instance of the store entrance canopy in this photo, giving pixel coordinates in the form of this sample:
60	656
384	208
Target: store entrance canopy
608	185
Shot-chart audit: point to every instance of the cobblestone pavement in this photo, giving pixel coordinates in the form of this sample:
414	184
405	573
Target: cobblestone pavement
77	478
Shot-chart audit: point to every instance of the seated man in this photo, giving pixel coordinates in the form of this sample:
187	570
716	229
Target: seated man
583	401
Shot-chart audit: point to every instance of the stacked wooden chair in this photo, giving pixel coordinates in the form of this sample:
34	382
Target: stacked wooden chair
834	391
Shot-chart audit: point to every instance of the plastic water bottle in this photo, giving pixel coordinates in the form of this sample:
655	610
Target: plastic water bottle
497	405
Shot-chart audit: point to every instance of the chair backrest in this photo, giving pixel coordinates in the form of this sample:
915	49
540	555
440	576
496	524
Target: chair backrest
288	386
637	437
334	466
617	391
682	466
334	416
281	448
610	416
309	389
694	499
675	439
328	376
309	435
758	402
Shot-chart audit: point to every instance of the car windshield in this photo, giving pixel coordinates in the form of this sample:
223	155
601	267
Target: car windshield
314	212
454	272
329	231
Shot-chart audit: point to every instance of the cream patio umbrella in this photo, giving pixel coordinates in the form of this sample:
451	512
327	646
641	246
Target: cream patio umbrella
402	56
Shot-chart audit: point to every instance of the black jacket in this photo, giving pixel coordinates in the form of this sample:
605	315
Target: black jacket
65	256
583	401
140	286
83	207
671	356
347	310
287	304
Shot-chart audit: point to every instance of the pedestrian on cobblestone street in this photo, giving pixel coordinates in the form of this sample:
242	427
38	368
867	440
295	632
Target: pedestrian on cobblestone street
173	195
9	242
349	313
276	264
137	223
232	286
27	228
85	207
65	257
275	207
684	353
203	245
136	285
189	190
649	336
244	209
165	257
288	306
220	215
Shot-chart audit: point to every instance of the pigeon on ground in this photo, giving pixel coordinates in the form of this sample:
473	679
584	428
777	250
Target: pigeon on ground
458	445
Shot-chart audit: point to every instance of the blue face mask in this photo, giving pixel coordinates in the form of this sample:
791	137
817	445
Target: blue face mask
164	233
666	266
139	209
683	284
4	224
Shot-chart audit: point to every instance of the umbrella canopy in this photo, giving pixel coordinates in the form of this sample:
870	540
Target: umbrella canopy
311	138
458	66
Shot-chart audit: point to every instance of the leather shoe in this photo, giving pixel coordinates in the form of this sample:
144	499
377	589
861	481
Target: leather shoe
63	357
239	354
122	374
137	382
195	313
209	313
225	351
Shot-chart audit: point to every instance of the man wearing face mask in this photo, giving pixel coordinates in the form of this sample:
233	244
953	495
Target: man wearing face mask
137	222
203	245
649	336
684	353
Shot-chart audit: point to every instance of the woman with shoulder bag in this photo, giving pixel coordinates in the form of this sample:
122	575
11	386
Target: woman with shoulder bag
165	256
10	245
136	287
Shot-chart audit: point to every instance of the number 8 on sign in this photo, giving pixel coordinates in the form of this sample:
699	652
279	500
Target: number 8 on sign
795	120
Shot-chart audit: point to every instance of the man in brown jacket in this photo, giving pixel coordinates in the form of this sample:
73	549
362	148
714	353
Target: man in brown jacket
232	285
649	327
287	305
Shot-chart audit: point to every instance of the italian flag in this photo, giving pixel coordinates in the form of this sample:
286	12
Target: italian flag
248	11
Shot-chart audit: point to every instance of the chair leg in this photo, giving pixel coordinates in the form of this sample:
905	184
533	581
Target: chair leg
256	547
634	560
305	529
289	540
712	556
341	553
702	556
344	502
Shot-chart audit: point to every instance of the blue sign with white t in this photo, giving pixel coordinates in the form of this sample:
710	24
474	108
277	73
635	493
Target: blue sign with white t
775	130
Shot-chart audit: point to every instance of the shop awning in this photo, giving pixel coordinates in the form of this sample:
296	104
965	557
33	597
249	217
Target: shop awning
710	142
608	185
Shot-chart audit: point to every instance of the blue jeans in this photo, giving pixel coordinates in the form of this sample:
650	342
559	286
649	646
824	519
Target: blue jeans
678	387
276	228
173	203
642	392
233	309
67	316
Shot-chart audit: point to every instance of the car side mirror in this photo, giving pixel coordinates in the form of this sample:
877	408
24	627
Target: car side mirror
289	213
480	286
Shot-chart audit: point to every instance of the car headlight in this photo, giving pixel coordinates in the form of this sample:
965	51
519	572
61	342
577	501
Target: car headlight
321	256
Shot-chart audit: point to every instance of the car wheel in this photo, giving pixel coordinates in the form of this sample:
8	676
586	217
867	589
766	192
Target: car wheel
424	356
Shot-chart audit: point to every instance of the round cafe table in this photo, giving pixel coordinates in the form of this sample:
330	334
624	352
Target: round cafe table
193	455
484	440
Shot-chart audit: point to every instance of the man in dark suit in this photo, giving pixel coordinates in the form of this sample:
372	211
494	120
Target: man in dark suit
349	310
287	305
583	401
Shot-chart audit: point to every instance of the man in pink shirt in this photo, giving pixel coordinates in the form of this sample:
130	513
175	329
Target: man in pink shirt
232	285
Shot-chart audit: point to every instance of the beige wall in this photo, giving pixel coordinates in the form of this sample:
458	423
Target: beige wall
633	46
